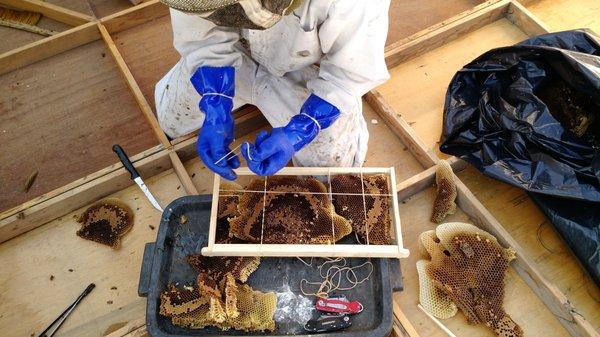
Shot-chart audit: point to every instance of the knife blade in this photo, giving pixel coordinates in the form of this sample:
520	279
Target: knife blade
135	176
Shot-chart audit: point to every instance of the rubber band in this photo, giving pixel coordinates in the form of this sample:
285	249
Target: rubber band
217	94
334	276
313	119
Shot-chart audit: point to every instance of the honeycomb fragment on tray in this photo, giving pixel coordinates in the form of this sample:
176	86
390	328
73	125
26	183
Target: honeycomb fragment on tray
296	210
444	203
217	267
469	266
106	222
353	197
174	301
248	310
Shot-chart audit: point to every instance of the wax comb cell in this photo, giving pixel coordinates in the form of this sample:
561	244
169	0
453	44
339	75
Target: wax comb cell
469	266
444	203
364	201
106	222
296	210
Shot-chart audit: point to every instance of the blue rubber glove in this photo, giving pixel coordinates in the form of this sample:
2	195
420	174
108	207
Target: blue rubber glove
271	152
216	85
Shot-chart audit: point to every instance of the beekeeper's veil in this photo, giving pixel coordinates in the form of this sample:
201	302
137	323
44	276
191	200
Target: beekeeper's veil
251	14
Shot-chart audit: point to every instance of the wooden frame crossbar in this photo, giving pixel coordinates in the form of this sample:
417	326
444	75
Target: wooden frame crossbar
309	250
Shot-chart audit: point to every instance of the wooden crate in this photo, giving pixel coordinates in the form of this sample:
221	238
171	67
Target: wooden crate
444	47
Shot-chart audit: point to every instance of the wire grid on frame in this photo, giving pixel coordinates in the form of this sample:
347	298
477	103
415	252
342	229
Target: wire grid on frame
330	195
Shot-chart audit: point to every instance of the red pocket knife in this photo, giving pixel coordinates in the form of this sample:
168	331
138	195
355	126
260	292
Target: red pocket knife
339	305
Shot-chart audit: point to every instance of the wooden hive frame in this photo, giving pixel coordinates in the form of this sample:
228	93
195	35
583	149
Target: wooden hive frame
171	154
395	250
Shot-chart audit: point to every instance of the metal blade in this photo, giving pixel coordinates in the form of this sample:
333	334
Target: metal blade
148	194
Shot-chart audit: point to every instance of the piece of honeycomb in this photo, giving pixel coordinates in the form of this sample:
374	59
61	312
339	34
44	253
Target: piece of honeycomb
106	222
444	204
175	301
252	312
468	266
352	198
296	210
217	267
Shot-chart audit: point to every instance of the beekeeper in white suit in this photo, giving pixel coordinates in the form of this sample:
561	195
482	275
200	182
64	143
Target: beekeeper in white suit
264	52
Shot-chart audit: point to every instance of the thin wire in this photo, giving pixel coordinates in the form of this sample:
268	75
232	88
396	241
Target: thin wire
264	210
331	208
362	185
228	153
309	193
332	278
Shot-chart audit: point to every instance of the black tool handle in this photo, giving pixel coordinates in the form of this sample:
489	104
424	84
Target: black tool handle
125	160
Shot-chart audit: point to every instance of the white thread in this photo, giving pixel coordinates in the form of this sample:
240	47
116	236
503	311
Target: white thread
362	184
228	153
248	151
217	94
262	226
332	277
313	119
332	209
308	193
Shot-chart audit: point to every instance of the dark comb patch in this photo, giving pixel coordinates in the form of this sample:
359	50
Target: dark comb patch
106	222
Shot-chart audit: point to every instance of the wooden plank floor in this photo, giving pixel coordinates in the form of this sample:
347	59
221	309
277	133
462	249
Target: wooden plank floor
60	117
420	101
567	14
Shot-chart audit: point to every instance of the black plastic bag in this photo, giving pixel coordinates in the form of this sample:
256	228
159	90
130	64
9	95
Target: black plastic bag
529	115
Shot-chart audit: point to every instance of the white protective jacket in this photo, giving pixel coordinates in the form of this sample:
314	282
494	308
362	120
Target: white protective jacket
346	38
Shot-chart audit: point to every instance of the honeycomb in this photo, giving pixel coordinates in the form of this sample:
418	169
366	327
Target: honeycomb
242	308
377	222
217	267
468	266
293	214
106	222
434	300
175	301
443	205
227	208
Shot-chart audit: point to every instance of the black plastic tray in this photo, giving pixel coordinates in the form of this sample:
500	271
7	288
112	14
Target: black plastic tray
165	262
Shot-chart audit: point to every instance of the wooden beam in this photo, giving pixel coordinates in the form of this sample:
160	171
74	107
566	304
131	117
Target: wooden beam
446	31
552	297
404	322
525	20
134	16
182	174
84	194
52	11
401	128
48	47
135	88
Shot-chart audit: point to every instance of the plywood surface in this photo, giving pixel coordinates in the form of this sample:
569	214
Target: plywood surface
49	124
567	14
97	8
410	16
417	91
520	302
540	241
11	38
417	87
30	300
148	51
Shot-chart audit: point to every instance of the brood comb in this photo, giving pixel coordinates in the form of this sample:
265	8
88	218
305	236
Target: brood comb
469	266
241	308
444	204
352	198
296	210
106	222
